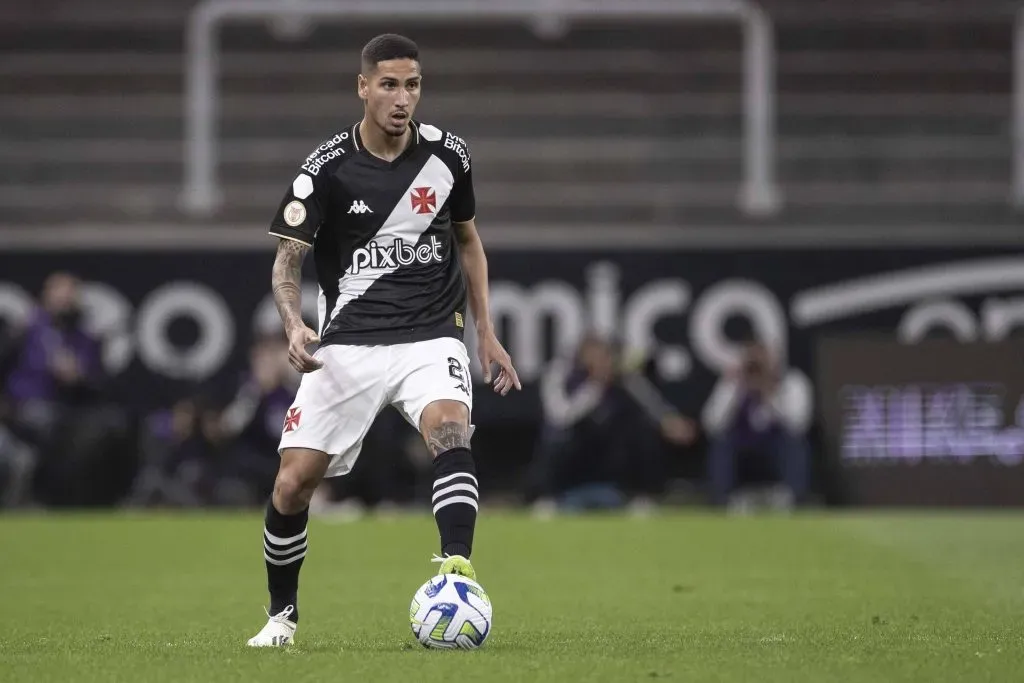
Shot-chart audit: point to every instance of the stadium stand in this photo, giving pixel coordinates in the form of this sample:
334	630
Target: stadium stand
884	114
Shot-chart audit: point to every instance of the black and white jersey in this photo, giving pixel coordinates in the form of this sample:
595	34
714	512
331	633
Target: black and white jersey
386	259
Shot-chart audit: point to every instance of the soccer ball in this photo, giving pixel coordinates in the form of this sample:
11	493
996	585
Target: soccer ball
450	611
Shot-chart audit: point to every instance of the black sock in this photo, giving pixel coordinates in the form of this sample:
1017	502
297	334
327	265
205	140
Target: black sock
284	546
455	500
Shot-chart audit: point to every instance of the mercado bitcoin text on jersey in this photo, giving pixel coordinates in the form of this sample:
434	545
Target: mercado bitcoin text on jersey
381	231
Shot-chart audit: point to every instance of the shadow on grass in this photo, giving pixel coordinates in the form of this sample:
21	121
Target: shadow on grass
507	642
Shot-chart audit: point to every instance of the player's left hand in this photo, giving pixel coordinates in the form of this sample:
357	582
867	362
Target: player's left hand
491	351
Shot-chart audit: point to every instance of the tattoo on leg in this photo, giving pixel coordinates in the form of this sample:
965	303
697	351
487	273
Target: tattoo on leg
446	436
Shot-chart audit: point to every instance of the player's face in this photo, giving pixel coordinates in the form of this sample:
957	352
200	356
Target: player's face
390	92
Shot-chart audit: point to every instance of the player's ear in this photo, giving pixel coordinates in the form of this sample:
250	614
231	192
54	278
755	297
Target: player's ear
362	87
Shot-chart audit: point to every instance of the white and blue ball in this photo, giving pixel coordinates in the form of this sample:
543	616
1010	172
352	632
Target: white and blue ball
450	611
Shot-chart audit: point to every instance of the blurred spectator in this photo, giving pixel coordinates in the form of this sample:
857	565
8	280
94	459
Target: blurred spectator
198	454
181	450
757	418
251	423
17	459
603	434
56	405
17	464
57	364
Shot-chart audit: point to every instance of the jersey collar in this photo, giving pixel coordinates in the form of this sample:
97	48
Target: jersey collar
358	142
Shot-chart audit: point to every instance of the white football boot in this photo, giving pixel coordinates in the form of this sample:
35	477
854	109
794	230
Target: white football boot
278	632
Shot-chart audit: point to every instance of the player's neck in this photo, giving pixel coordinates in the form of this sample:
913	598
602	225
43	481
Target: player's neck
380	144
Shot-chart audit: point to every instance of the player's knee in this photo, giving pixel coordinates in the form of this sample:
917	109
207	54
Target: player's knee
445	426
444	412
293	489
300	472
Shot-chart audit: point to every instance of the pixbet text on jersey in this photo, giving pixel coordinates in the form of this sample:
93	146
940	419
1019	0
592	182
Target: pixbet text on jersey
398	254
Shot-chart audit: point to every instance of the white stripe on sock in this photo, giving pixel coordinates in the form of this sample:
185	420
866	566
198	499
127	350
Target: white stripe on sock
279	563
456	499
284	549
289	551
455	487
277	540
438	482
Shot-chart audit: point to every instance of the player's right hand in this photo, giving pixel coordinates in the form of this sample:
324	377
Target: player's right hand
300	359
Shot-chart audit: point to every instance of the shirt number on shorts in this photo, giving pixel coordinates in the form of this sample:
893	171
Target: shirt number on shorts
459	374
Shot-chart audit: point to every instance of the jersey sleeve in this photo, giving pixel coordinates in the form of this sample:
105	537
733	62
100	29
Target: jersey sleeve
462	201
301	210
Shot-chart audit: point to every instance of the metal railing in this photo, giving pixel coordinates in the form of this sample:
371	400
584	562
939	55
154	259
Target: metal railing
759	194
1018	111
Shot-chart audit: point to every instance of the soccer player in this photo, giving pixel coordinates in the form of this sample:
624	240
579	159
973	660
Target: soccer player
387	206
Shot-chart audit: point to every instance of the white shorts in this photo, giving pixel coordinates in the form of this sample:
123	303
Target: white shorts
336	405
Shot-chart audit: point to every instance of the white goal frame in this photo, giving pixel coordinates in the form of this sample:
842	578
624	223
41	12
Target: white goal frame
201	196
1018	111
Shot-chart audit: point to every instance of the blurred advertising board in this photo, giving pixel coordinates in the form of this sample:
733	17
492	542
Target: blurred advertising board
174	318
936	423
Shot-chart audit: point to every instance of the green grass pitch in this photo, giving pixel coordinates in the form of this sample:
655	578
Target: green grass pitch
680	597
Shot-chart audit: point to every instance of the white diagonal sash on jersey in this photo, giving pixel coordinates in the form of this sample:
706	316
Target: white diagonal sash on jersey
321	309
403	223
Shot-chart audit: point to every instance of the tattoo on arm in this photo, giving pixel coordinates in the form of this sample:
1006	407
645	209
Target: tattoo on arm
446	436
286	280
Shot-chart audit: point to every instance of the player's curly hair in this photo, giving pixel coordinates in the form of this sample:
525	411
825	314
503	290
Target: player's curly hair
388	46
